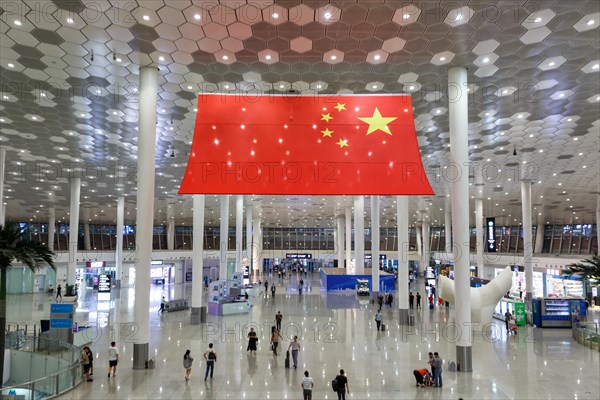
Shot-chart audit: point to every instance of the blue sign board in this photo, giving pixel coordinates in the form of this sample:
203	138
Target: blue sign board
61	323
61	308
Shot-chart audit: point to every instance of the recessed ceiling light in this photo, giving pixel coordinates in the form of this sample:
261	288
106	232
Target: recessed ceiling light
118	59
541	151
189	87
569	119
146	18
11	65
226	86
197	16
161	58
333	57
377	57
275	15
406	16
551	63
442	58
18	23
561	95
486	60
281	86
70	20
319	86
538	19
591	22
98	91
327	15
520	116
505	91
411	87
268	57
34	118
595	66
225	57
374	86
438	111
82	115
459	17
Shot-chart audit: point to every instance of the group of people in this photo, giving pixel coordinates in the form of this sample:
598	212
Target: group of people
433	378
87	361
412	298
339	385
388	298
210	355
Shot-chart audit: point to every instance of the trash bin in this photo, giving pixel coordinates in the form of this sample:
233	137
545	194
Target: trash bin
411	319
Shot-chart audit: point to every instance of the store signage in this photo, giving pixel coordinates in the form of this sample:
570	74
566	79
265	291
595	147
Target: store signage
103	283
61	323
156	262
491	235
95	264
299	256
520	315
382	257
61	308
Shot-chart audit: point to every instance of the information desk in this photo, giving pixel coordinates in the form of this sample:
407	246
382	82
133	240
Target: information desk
228	306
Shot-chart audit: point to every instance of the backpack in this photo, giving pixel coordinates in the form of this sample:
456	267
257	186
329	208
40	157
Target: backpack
334	385
212	355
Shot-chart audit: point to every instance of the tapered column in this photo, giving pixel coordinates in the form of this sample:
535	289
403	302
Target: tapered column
448	224
403	282
223	236
340	241
527	239
87	243
539	235
145	210
73	229
249	211
419	243
375	245
51	228
119	240
348	232
198	309
239	230
480	236
359	235
425	246
459	159
2	168
257	245
170	227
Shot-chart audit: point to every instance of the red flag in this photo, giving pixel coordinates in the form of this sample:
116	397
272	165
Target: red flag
329	144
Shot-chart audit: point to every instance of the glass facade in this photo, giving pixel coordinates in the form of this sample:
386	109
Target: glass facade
558	239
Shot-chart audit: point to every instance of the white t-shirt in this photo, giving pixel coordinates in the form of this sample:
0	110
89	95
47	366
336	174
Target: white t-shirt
113	354
307	383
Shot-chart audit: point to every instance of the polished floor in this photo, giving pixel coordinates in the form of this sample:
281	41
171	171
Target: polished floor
337	331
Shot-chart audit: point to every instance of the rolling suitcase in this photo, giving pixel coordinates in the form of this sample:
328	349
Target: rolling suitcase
382	327
287	359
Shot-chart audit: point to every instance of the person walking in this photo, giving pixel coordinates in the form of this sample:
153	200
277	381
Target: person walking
278	319
266	288
252	341
113	359
430	300
59	292
507	318
273	289
275	336
380	300
378	319
307	385
211	358
418	298
437	376
187	364
163	300
85	361
90	359
411	300
295	348
300	285
342	385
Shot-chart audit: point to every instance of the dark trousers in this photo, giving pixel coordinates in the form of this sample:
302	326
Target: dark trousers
278	323
307	393
418	377
410	304
342	394
378	324
275	344
210	366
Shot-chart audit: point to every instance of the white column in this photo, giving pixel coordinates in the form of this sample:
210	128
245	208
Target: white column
348	232
73	229
403	282
448	224
539	235
239	230
340	241
119	240
51	228
425	246
257	245
419	243
2	166
148	96
223	236
170	227
598	220
87	243
459	158
479	235
198	310
359	235
249	210
527	238
375	244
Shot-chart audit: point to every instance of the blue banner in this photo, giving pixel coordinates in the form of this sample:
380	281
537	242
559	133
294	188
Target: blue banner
61	323
61	308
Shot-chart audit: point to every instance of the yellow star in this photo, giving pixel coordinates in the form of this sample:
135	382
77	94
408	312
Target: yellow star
326	117
340	107
377	122
343	143
327	132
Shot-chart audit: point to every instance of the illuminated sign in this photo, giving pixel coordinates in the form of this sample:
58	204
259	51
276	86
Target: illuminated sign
95	264
156	262
299	256
382	257
491	235
103	283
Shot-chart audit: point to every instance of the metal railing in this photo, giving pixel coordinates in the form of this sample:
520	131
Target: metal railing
588	334
47	367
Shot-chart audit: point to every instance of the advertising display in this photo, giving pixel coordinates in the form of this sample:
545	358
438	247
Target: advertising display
491	235
103	283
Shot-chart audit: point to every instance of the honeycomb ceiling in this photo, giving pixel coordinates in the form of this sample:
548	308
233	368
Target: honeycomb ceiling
69	74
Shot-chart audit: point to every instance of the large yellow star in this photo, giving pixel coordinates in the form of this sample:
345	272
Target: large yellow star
327	132
377	122
343	143
326	117
340	107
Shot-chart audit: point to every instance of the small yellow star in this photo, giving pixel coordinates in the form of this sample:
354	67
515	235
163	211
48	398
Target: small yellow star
326	117
343	143
327	132
340	107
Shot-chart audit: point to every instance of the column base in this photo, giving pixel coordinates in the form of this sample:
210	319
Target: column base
374	296
198	315
118	283
140	355
405	317
464	359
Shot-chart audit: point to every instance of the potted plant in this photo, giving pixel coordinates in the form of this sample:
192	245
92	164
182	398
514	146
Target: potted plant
70	294
15	246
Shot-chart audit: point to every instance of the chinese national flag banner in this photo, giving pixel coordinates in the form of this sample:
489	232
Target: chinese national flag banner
329	144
